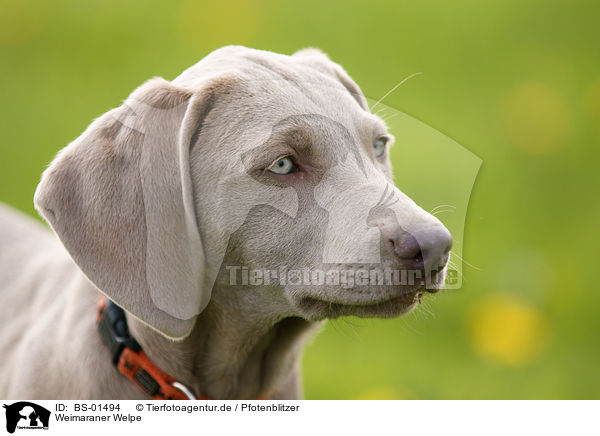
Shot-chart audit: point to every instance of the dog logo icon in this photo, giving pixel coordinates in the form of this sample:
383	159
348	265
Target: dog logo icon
26	415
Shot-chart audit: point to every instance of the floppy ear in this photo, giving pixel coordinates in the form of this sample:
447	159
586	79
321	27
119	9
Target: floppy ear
120	199
319	60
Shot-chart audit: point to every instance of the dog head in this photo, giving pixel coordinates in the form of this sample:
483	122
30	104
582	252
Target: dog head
248	162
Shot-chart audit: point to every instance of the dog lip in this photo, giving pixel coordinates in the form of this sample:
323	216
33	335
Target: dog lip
403	296
310	304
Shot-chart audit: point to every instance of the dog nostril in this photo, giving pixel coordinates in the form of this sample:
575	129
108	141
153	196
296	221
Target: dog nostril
406	247
430	250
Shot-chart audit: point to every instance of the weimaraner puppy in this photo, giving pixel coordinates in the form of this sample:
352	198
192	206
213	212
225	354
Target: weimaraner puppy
228	212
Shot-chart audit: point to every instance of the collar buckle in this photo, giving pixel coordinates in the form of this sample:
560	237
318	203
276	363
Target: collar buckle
183	388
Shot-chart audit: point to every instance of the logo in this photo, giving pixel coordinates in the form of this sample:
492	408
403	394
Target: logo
26	415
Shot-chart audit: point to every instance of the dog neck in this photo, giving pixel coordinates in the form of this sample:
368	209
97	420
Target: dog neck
230	353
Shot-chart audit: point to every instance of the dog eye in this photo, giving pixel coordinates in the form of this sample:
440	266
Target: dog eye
283	166
379	146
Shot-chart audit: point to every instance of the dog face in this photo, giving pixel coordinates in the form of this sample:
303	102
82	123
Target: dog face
249	162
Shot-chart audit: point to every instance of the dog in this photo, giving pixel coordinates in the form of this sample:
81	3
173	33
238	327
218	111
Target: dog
217	220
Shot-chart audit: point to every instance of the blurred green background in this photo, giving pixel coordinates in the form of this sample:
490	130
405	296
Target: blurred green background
515	82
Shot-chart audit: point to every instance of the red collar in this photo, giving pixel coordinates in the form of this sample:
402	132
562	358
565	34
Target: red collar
131	361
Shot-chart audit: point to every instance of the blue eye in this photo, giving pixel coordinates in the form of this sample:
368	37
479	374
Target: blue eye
379	146
283	166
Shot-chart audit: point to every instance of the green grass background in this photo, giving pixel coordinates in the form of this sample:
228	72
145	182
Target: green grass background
517	83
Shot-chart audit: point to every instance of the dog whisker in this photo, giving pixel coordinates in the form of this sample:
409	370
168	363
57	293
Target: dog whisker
442	205
394	88
352	328
386	119
452	253
408	326
453	265
383	109
425	311
441	211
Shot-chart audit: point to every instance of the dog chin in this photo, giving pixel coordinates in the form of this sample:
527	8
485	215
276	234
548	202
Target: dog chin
391	303
316	308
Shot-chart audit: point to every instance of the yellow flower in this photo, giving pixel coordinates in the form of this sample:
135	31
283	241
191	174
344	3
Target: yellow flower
382	393
506	329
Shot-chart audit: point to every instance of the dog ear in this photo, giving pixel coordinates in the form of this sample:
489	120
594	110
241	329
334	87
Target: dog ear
319	60
120	199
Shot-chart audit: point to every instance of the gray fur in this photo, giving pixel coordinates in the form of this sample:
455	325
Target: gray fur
158	197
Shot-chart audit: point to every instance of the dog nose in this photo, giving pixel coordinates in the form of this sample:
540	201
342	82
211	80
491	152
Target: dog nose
428	249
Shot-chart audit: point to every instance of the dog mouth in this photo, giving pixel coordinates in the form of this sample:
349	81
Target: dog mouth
366	301
316	308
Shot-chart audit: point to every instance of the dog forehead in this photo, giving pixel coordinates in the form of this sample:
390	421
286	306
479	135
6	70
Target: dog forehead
279	92
247	63
276	79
